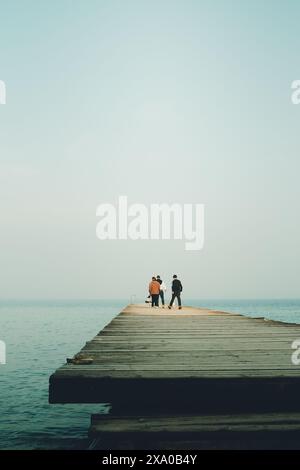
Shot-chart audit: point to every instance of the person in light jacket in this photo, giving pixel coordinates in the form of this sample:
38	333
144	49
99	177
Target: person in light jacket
162	291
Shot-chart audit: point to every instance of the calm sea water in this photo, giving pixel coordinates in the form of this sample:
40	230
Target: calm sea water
40	335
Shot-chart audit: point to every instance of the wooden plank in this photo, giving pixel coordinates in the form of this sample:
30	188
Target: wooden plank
109	424
162	369
256	431
198	328
158	347
197	358
159	373
187	336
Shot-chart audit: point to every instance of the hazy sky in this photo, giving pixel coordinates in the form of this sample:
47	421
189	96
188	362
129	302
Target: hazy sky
162	101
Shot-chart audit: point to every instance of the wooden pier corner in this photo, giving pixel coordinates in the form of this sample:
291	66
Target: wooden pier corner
190	378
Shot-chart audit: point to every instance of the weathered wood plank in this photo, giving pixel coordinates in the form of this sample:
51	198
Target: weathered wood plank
185	347
193	424
198	359
272	431
162	372
162	369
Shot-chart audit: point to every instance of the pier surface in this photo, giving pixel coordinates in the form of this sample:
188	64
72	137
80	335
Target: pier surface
191	371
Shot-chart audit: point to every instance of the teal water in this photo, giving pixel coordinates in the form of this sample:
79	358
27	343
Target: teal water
285	310
40	335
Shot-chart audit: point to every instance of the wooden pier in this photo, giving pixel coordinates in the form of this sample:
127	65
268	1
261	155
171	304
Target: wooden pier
190	378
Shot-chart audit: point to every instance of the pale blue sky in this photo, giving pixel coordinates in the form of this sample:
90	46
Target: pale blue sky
99	93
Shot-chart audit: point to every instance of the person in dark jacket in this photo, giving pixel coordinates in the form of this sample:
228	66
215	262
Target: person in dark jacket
176	291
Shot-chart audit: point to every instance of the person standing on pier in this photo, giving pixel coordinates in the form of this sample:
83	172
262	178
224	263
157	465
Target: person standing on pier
154	289
176	291
162	291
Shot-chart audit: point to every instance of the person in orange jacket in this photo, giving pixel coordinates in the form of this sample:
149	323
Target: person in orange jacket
154	289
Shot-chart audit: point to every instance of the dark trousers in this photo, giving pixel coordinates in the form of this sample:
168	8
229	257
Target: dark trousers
174	295
162	296
155	300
